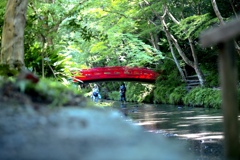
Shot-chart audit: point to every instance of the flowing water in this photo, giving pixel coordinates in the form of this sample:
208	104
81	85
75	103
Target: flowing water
201	128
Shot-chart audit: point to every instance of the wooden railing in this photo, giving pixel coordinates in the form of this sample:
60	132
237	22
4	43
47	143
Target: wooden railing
115	73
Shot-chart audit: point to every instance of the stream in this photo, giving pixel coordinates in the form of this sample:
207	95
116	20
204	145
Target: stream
201	128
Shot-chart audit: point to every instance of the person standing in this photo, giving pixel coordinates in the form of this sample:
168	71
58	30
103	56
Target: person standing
123	93
95	93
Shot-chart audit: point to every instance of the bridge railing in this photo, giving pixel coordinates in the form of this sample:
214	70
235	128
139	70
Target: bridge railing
108	73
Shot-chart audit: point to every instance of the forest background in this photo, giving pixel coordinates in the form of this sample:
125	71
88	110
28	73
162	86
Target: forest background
64	35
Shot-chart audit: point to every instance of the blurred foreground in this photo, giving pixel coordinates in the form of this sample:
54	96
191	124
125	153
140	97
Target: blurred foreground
79	133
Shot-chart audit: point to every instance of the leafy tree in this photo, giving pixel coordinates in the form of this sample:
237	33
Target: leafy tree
45	19
121	46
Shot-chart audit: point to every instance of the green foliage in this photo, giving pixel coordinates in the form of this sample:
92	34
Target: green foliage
192	26
176	97
139	92
7	71
149	97
47	92
205	97
161	94
121	45
3	4
72	34
55	92
136	92
53	61
169	74
212	78
138	52
199	97
167	82
114	95
51	30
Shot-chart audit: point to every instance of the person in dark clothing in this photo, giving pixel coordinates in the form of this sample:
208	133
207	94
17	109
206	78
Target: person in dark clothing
123	93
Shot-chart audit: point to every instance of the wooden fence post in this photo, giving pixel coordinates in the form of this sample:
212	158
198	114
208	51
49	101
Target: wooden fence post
223	37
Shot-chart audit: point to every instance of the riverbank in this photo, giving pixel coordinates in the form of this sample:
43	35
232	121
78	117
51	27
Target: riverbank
47	121
79	133
173	95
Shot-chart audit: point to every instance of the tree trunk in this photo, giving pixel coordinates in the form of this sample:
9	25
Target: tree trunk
218	14
220	18
12	53
195	59
232	5
196	66
175	59
171	48
152	41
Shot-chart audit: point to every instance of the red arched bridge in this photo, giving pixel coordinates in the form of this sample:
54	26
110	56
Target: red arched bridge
115	74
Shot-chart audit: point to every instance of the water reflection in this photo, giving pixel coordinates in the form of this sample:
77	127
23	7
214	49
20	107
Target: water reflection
124	110
201	127
184	122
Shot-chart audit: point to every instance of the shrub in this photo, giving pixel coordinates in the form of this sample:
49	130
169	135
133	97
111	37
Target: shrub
176	97
204	97
114	95
161	94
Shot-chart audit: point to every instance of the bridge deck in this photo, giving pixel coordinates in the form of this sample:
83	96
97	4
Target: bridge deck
116	74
